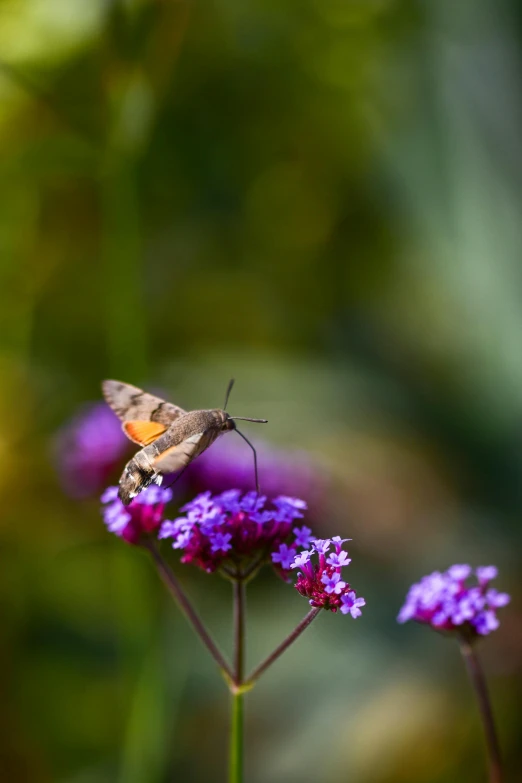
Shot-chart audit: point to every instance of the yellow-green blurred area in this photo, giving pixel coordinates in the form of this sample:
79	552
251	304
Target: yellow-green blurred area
321	198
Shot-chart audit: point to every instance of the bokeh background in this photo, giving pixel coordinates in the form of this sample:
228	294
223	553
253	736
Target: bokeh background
321	198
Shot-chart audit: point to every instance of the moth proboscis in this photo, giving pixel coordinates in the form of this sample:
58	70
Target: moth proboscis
170	436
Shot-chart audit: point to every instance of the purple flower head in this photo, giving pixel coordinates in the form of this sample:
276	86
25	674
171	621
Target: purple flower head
447	601
321	581
88	449
144	515
237	532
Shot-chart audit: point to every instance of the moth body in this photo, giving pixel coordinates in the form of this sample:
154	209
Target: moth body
171	438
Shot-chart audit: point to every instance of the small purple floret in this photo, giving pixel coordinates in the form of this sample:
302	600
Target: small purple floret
333	583
352	604
288	509
321	545
285	556
338	560
458	572
302	536
486	573
301	559
220	542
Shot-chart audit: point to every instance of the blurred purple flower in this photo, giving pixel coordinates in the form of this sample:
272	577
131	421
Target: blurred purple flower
281	472
88	449
143	515
447	602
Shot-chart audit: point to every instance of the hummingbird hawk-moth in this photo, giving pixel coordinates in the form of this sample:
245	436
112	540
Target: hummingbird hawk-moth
171	437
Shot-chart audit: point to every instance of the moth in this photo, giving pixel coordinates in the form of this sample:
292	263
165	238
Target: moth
171	438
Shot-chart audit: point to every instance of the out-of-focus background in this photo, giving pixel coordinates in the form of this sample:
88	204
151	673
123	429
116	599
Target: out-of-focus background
322	199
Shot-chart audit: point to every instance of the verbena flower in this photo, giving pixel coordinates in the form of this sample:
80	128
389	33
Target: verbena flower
235	531
449	600
238	532
143	515
320	577
88	449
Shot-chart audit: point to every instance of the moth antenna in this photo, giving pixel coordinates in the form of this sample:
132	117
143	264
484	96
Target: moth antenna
255	456
256	421
227	395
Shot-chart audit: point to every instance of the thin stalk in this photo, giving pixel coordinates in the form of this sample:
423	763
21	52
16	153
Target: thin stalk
290	639
237	724
478	682
186	607
239	630
235	774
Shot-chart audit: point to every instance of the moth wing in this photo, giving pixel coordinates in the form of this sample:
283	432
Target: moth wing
133	404
177	457
143	432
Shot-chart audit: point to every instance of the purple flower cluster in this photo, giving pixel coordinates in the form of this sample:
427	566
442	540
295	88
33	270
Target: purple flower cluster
321	582
234	531
88	449
237	534
446	601
143	516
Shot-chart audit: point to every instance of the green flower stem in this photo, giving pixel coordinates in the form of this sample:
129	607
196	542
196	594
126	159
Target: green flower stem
239	630
285	644
236	739
237	723
478	681
188	610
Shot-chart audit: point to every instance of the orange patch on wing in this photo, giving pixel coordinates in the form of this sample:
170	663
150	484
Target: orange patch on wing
143	432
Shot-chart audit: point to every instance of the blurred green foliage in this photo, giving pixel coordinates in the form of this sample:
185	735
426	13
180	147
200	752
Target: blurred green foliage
322	199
